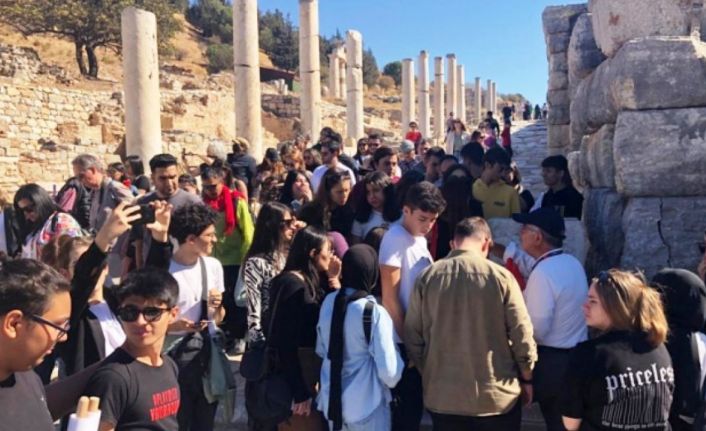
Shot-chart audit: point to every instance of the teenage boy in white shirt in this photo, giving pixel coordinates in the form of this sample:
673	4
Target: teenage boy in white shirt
403	255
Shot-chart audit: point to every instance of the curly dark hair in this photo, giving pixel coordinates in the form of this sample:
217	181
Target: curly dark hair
191	219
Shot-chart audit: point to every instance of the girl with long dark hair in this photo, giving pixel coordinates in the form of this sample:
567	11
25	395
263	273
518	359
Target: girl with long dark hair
460	204
298	293
40	220
330	210
274	229
377	208
296	190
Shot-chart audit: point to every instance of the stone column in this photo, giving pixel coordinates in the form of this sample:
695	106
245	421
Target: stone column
488	96
246	57
460	72
451	86
439	114
408	113
354	82
309	65
478	105
143	132
334	80
494	99
342	93
423	97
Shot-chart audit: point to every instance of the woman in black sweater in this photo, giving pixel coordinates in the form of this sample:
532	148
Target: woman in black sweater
295	298
623	379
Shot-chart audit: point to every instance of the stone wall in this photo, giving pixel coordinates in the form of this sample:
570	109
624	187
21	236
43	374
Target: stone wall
559	22
637	130
42	129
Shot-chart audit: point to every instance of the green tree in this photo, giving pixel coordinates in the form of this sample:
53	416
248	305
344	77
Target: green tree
89	24
394	70
213	18
220	57
279	39
370	68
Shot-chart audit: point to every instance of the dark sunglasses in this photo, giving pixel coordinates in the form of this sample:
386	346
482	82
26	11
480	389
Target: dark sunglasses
29	209
289	222
63	330
131	314
210	186
604	278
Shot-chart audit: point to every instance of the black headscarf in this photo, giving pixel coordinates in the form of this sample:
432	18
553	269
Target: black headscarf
360	272
684	295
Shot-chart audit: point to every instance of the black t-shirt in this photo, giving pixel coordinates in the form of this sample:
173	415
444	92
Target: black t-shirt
135	396
23	404
618	381
568	201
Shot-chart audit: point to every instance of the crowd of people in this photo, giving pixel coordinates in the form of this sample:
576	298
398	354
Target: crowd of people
361	291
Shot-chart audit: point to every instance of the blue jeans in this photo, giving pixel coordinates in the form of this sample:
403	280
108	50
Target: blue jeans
379	420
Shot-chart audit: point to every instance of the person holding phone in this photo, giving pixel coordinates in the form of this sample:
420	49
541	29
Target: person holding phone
194	227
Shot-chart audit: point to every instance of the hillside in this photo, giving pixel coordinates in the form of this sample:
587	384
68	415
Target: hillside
188	54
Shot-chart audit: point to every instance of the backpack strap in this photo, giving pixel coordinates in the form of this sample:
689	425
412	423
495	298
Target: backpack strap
368	319
204	289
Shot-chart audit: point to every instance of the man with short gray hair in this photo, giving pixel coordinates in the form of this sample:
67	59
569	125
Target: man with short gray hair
106	194
468	332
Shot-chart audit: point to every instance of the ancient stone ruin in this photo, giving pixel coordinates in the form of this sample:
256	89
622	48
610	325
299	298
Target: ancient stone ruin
627	99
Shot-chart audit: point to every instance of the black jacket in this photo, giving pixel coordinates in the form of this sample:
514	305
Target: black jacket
12	231
684	296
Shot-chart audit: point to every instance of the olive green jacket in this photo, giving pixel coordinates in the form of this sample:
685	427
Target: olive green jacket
468	332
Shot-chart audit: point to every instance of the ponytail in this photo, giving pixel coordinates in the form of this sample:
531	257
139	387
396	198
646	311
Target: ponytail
649	316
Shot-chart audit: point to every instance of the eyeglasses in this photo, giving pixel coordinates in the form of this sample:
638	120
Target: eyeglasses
210	187
131	314
289	222
62	330
29	209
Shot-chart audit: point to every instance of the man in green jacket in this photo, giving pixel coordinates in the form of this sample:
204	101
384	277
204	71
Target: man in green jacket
234	234
468	332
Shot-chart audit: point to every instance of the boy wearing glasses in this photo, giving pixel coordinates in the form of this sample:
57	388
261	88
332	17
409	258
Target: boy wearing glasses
35	307
137	385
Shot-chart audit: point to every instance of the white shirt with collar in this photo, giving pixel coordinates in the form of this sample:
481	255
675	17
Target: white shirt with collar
319	172
556	291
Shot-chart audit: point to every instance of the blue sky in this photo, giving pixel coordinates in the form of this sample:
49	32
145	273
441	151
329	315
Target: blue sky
500	40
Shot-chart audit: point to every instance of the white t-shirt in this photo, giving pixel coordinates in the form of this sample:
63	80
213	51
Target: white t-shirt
361	229
399	249
190	286
113	333
319	172
556	290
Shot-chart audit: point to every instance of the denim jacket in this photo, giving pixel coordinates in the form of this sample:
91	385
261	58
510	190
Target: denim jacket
369	370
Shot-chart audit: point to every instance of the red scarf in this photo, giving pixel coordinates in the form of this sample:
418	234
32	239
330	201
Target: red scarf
225	203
